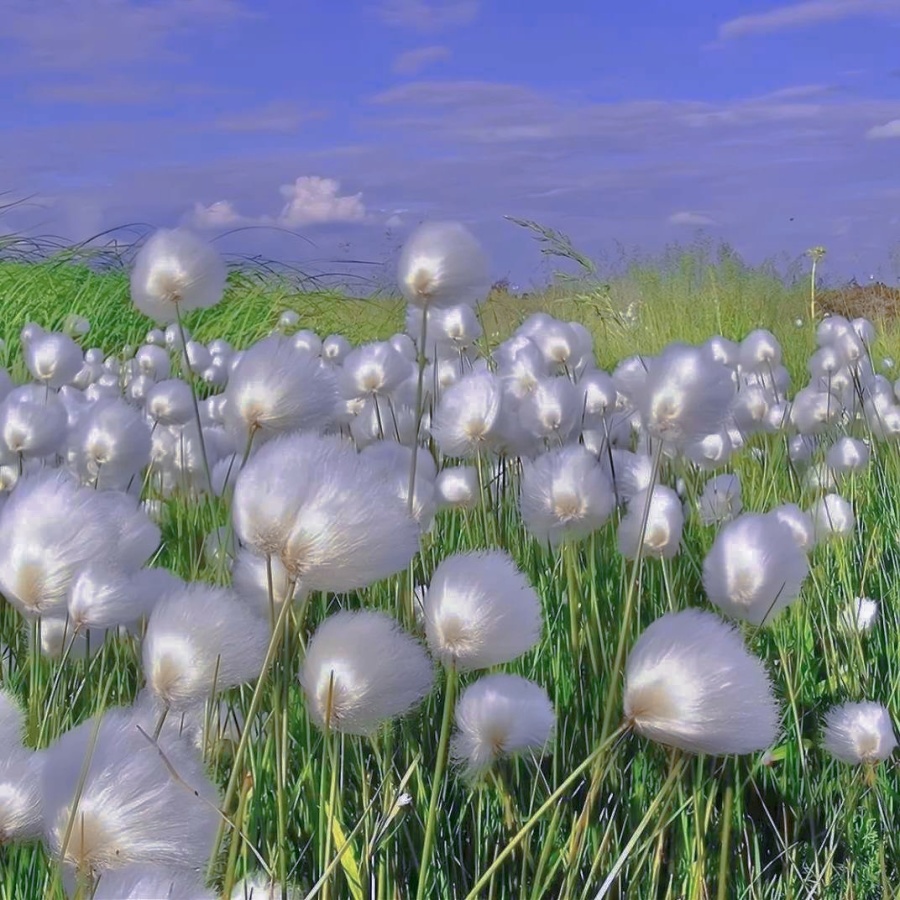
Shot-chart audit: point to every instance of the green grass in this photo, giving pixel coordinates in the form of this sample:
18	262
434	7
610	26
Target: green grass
800	827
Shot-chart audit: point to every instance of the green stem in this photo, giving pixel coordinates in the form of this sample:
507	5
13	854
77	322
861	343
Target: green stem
542	809
244	742
437	784
420	390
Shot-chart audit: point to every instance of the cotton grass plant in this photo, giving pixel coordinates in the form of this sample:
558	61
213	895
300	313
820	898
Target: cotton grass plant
234	554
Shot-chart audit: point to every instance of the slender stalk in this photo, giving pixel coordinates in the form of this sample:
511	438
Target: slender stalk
190	380
420	390
437	784
244	742
523	832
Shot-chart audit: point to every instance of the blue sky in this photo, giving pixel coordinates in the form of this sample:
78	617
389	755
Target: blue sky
773	127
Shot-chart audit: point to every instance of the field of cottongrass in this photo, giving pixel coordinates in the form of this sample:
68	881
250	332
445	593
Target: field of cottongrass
625	624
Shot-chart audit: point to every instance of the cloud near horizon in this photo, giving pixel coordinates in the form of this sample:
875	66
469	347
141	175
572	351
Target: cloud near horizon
310	200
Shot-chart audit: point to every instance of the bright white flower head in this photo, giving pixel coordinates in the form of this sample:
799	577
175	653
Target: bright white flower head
691	683
480	611
859	733
53	359
832	518
859	616
175	270
131	810
361	670
457	487
500	715
201	639
467	420
332	518
275	388
564	495
442	264
259	887
755	568
665	522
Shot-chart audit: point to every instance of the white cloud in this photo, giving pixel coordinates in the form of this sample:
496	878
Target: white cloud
690	217
311	200
801	15
428	15
394	222
888	130
413	61
216	215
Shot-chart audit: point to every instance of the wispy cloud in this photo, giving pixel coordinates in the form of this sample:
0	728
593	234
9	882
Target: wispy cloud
691	217
806	14
414	61
888	130
428	15
56	35
276	117
309	200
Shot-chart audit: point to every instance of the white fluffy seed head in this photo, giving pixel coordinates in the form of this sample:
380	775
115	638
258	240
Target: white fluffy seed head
847	454
755	568
130	810
859	616
467	420
684	395
832	518
21	816
564	495
276	388
480	611
175	270
500	715
53	359
332	517
665	522
361	670
169	402
442	264
201	640
858	733
691	683
457	487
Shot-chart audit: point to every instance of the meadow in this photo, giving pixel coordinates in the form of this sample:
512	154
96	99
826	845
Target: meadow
601	805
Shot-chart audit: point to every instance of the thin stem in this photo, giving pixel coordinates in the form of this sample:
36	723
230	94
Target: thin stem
437	784
244	742
420	389
190	380
543	808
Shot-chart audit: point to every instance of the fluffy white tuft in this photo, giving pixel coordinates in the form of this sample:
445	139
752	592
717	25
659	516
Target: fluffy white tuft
175	270
500	715
480	611
859	733
361	669
691	683
755	568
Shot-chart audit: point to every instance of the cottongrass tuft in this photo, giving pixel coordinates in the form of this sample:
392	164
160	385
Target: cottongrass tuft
361	670
480	611
859	733
176	270
691	683
500	715
201	639
755	568
131	810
